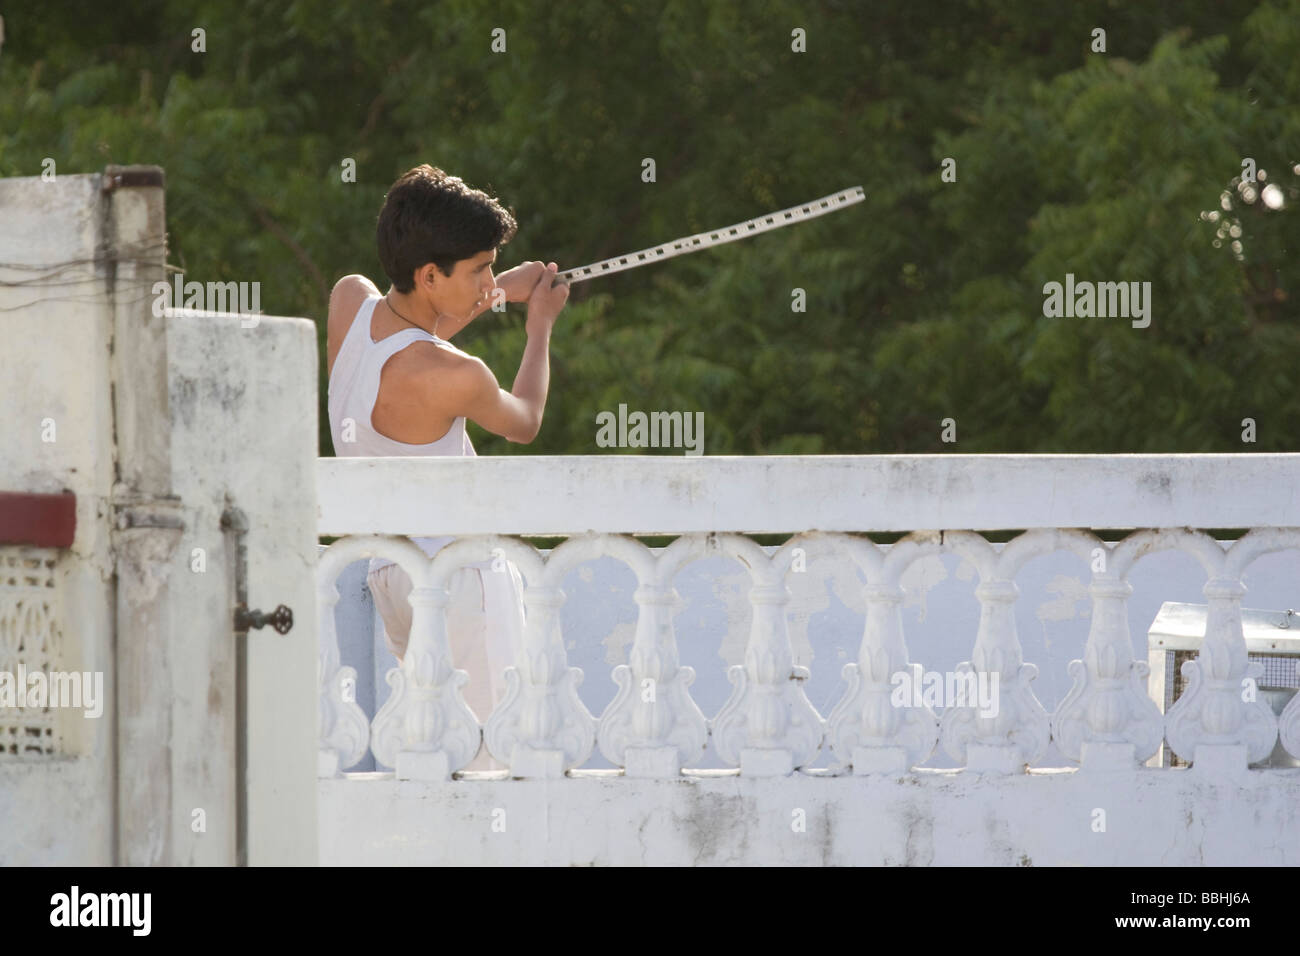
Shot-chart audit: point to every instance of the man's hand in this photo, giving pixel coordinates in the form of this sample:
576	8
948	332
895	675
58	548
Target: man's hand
519	281
548	298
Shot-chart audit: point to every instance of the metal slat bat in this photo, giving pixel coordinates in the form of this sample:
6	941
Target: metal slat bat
716	237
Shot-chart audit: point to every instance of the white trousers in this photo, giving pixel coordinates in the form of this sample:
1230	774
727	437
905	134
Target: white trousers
485	628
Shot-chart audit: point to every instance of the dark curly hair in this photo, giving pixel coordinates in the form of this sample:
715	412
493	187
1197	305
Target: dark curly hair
429	216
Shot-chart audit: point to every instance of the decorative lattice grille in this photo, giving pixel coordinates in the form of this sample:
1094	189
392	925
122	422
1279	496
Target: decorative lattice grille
1279	672
31	634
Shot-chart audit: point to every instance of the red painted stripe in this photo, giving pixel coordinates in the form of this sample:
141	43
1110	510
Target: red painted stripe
45	521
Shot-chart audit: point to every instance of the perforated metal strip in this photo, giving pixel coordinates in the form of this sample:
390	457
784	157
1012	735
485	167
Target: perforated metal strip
716	237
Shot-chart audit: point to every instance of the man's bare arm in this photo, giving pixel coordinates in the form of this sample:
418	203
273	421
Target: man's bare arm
473	391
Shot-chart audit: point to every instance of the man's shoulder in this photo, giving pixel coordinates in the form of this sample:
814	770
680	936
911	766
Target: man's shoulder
351	286
346	298
440	370
444	380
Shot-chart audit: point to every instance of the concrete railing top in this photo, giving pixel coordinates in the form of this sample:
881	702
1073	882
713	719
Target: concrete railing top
637	494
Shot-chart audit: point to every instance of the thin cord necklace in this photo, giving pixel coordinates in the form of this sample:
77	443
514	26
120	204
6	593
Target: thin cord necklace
408	321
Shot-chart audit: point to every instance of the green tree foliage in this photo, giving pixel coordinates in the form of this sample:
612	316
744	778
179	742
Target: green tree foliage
925	302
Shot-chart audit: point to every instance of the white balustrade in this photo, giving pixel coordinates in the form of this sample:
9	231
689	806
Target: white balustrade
767	726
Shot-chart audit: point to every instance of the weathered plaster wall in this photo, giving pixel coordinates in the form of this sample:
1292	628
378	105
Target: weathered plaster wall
56	317
244	432
941	818
157	421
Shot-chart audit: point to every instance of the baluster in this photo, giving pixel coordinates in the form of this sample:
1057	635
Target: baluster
1014	730
767	727
869	728
344	730
1288	725
653	727
541	728
1218	724
1107	720
425	730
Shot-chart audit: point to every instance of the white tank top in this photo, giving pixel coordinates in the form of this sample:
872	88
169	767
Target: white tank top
353	389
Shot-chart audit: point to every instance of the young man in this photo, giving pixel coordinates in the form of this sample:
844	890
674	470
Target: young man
397	386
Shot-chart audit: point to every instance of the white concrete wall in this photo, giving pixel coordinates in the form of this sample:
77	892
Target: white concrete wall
244	432
1151	818
662	494
161	420
56	328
